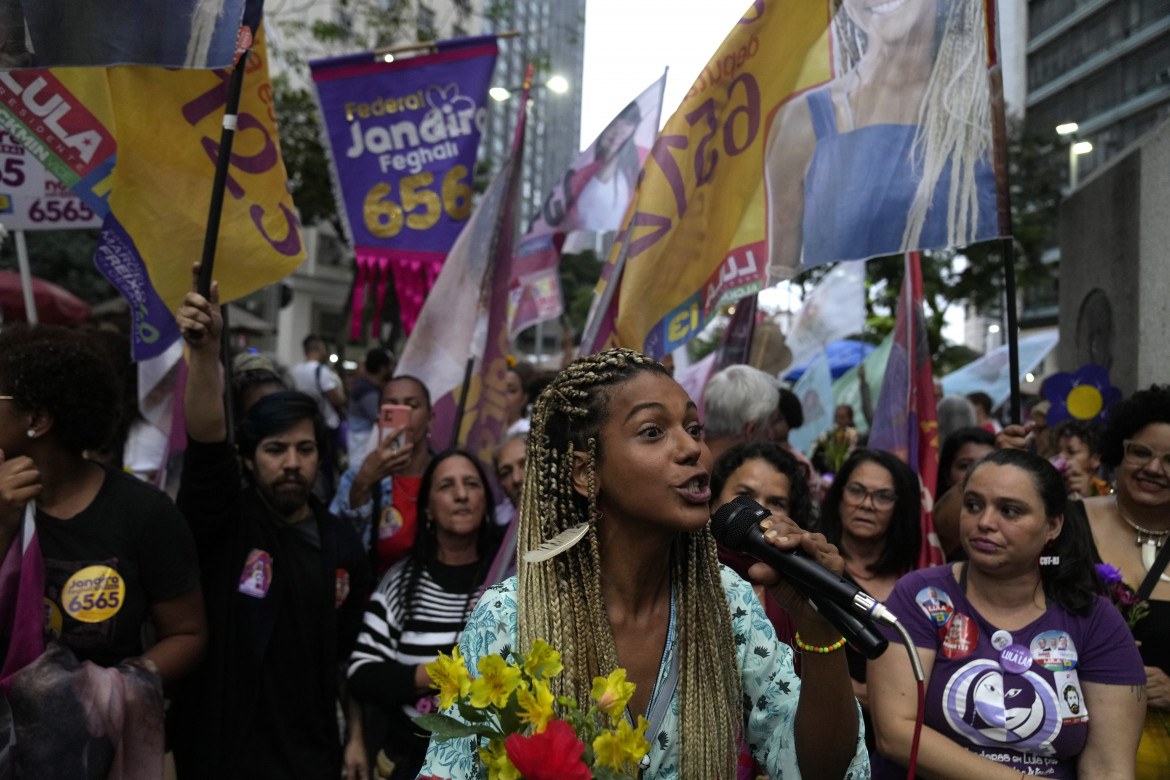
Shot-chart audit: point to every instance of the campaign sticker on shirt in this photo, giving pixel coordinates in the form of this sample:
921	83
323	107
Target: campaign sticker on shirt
53	619
1054	650
936	604
1070	701
93	594
342	587
1001	639
391	523
1015	659
959	637
256	578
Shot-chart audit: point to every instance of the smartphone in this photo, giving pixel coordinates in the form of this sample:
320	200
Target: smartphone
394	416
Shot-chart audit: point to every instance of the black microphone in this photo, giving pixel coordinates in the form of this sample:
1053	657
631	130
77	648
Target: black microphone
736	525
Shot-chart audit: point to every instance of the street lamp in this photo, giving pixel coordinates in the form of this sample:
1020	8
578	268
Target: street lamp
558	84
1075	149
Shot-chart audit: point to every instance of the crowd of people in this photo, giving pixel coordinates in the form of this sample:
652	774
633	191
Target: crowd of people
279	615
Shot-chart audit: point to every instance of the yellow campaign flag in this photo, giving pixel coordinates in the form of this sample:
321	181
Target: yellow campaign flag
821	130
171	133
139	144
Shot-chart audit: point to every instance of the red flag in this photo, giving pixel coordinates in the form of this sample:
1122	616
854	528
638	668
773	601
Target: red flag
905	421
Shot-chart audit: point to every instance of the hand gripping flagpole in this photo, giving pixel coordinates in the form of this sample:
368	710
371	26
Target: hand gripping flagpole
211	236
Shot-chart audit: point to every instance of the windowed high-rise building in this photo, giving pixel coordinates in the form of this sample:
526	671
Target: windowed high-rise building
1103	64
552	37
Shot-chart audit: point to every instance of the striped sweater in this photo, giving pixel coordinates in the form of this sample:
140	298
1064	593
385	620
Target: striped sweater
392	643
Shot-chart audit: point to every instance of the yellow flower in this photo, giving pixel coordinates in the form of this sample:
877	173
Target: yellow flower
495	684
543	662
622	745
537	709
612	693
450	676
635	739
495	758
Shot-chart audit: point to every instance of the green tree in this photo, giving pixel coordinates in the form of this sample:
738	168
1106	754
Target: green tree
1036	173
305	159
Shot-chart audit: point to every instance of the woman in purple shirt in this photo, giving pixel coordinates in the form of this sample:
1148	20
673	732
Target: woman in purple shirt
1031	671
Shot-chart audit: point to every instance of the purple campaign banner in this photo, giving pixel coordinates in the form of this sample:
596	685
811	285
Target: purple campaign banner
403	137
153	326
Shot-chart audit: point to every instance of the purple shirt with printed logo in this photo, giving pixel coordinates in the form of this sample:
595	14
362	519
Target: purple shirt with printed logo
1023	705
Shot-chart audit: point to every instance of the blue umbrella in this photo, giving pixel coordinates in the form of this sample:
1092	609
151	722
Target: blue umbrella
843	355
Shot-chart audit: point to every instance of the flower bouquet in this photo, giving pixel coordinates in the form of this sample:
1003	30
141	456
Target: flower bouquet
1122	596
509	705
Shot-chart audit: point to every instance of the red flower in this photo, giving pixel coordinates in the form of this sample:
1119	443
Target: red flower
553	755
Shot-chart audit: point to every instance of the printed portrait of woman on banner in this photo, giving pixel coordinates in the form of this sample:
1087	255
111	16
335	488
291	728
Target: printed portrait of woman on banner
895	152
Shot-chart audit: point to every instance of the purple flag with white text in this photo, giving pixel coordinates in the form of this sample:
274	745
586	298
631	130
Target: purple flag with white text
403	137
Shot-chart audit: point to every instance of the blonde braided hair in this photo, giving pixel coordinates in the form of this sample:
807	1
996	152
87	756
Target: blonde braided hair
954	117
560	600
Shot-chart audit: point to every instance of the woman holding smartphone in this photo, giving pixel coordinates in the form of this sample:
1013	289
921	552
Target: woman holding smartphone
379	493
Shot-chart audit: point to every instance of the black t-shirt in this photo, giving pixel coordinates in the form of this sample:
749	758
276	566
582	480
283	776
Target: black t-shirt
105	567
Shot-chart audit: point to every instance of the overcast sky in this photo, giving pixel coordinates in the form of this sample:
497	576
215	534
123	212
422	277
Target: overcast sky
629	42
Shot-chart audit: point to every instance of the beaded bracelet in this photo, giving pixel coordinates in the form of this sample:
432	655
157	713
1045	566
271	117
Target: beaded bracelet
813	649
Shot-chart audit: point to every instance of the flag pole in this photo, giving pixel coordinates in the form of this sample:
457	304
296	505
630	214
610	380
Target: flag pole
211	236
222	162
1003	199
30	300
463	391
425	47
1009	286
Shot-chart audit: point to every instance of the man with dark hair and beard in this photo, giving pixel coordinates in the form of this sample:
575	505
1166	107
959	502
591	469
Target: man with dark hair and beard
285	582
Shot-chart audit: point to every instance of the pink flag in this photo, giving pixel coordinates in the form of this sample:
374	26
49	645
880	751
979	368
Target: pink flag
905	421
465	319
584	210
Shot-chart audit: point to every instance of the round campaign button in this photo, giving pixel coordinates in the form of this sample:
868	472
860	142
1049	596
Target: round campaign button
1001	639
959	637
936	604
94	594
1054	650
1015	659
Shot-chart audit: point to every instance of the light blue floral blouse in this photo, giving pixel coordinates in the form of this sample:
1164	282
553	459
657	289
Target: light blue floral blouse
770	689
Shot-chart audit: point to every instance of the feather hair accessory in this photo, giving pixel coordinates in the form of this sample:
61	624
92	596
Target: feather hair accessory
558	544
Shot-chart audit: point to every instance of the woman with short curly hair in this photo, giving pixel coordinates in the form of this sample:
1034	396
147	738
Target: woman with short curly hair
117	554
1130	528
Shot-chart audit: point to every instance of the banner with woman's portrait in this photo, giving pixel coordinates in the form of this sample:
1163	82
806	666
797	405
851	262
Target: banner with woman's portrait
821	130
584	209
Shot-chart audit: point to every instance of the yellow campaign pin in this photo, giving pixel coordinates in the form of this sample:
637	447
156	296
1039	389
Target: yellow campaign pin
93	594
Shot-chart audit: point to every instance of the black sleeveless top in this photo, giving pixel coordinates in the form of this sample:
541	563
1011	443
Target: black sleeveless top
1153	630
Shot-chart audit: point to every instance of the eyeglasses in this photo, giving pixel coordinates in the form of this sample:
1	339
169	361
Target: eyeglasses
1140	454
882	499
